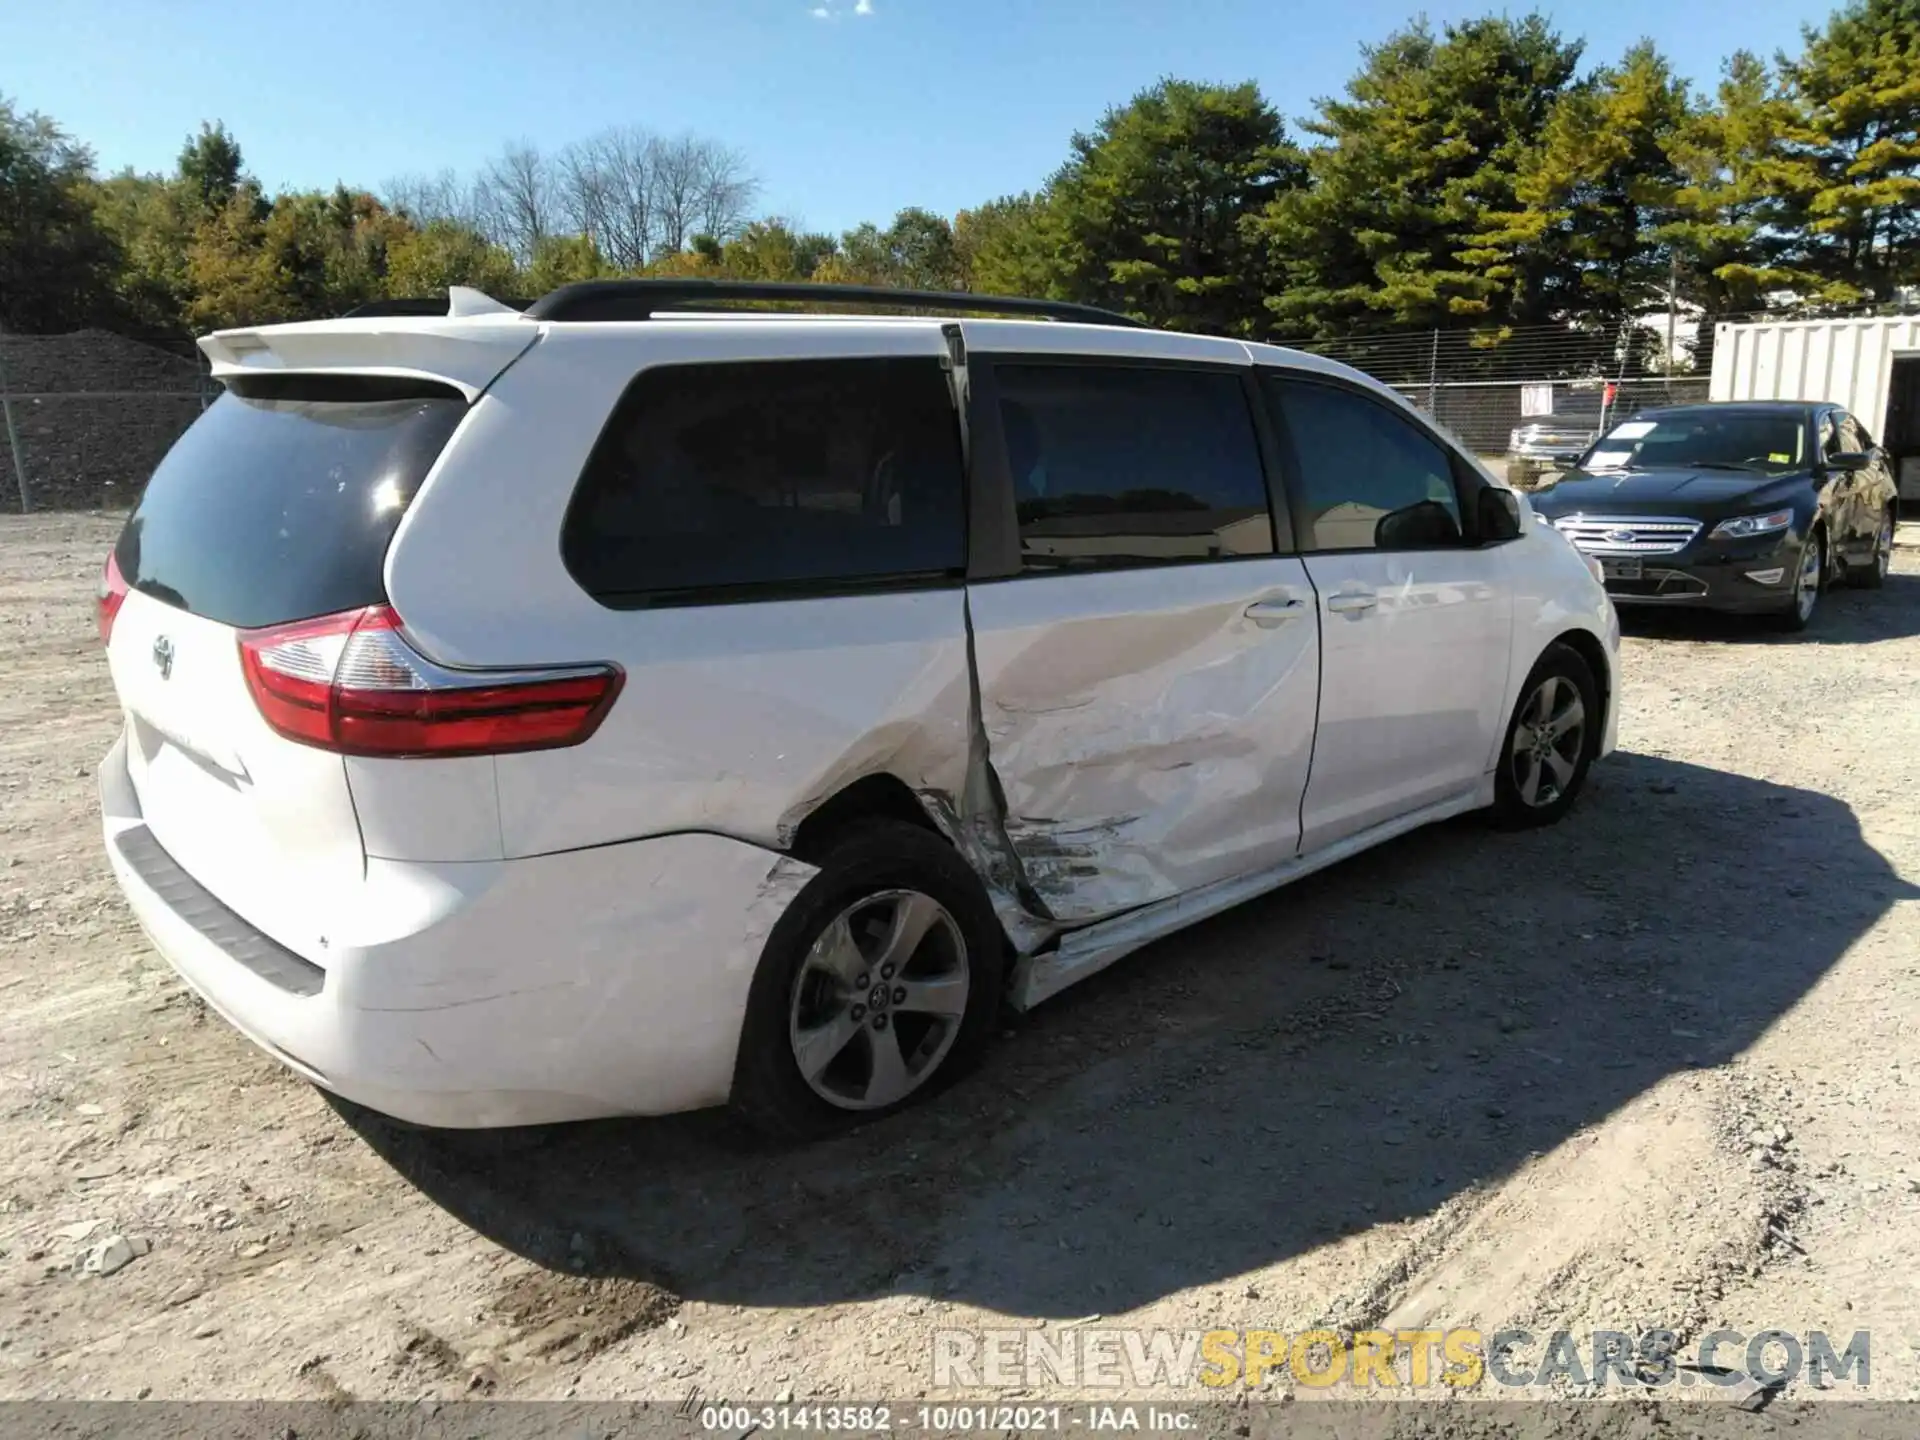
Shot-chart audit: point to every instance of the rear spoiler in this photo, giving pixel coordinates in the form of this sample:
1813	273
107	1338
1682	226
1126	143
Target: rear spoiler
457	301
465	344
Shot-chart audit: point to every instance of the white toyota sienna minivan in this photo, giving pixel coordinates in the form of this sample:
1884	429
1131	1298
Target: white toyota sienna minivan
631	703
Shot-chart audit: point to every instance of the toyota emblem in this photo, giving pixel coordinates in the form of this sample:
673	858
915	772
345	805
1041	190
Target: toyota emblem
163	656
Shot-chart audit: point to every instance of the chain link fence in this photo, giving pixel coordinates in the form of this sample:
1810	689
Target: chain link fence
88	415
1577	377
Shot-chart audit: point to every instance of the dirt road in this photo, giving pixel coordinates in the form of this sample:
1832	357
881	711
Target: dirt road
1654	1066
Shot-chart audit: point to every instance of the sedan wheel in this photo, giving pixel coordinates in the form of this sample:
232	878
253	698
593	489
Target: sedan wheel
1873	575
1548	742
1806	585
1807	592
879	1000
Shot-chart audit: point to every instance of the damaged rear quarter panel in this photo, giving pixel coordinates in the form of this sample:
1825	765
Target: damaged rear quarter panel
639	1012
741	719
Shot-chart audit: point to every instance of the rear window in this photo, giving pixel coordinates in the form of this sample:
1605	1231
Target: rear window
740	480
279	506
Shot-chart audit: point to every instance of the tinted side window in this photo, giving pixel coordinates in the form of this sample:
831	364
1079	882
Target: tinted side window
725	481
281	508
1358	464
1128	465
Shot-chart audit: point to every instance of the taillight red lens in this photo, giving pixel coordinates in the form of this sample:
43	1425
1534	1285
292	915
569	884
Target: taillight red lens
113	594
351	683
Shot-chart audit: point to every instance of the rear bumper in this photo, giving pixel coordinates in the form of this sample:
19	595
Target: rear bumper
560	987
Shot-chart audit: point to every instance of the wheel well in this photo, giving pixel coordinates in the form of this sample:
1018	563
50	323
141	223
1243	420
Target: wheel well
1588	647
870	798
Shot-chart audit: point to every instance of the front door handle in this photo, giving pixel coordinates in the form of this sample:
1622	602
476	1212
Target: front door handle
1269	613
1352	602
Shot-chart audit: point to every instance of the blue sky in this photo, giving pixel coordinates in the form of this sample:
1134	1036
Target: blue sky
846	109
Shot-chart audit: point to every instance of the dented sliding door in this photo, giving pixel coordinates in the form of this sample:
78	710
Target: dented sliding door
1147	682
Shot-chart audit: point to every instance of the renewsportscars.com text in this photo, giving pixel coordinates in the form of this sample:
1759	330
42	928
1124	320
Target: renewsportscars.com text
1461	1358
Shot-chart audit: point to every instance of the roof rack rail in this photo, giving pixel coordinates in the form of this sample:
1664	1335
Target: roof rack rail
435	305
646	299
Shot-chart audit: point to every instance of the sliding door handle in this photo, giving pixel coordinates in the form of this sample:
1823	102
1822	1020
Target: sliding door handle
1269	613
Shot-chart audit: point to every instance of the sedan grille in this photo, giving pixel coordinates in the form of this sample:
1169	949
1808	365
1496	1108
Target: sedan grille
1628	534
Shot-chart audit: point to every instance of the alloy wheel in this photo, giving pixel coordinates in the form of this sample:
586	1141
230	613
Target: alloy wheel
1547	742
1806	592
879	1000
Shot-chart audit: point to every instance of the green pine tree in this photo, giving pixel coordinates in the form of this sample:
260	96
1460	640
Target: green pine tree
1153	213
1728	228
1856	84
1595	192
1432	136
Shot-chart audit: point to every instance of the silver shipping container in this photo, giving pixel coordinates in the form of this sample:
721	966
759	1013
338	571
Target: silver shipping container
1869	365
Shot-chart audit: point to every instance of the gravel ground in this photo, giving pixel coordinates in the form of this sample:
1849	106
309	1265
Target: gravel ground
1651	1066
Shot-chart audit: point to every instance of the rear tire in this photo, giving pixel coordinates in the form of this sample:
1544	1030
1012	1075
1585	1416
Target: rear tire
1550	742
1873	574
878	986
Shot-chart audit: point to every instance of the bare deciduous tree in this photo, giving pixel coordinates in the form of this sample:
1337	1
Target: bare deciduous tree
727	190
518	200
635	195
608	189
676	171
425	199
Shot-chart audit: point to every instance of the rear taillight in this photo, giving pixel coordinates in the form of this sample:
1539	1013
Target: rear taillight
352	683
113	594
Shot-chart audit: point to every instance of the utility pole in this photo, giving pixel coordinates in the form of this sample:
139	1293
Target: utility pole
1673	304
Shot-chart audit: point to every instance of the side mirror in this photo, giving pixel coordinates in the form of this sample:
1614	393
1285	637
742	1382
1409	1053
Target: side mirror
1421	526
1498	513
1849	461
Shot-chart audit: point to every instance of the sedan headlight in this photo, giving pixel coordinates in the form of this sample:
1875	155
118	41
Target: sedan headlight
1743	527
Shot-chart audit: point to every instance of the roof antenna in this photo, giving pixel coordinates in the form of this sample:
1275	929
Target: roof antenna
465	300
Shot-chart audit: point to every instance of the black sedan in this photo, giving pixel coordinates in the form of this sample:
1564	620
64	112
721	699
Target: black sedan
1754	507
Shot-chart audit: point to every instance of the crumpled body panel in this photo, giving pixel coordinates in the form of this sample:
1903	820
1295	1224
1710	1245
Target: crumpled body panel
1147	735
743	719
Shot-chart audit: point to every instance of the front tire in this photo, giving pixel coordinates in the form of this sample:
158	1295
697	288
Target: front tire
879	984
1550	742
1809	581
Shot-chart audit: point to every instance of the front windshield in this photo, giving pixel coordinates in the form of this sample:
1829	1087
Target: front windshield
1702	439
